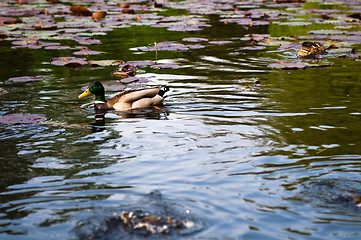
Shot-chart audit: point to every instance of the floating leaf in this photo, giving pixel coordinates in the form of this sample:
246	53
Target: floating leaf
9	20
28	78
293	23
3	91
287	65
57	48
70	62
104	63
220	42
195	39
78	10
195	46
253	48
130	79
128	10
21	118
326	32
113	86
87	41
99	15
86	51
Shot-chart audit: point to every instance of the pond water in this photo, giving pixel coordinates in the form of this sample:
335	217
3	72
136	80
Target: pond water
242	150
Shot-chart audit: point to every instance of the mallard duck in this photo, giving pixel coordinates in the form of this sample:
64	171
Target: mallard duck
126	100
310	50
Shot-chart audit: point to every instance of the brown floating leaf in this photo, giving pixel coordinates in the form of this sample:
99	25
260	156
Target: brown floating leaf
128	10
78	10
99	15
9	20
21	118
123	5
120	74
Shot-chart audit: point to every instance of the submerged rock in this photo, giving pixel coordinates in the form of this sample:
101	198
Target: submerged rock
151	217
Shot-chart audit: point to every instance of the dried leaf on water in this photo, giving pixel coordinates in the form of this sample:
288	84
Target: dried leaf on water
78	10
99	15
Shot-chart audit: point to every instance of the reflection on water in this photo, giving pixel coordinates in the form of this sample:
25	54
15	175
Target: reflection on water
246	151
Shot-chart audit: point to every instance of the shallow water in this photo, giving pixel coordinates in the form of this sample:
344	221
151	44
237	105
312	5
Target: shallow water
240	161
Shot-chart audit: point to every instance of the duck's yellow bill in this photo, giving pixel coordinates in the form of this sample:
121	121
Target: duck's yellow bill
85	93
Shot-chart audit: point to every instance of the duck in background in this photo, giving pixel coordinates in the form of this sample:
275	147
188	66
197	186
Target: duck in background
311	50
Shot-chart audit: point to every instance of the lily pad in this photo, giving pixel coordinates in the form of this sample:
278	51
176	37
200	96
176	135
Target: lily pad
28	78
78	10
70	62
104	63
326	32
57	48
253	48
86	51
195	46
220	42
87	41
130	79
194	39
140	64
287	65
113	86
21	118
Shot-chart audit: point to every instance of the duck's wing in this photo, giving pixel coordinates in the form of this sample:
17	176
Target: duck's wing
131	96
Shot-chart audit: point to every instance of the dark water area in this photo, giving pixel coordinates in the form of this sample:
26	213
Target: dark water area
238	150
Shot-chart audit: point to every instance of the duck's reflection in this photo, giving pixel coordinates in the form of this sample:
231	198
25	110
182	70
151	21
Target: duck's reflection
146	113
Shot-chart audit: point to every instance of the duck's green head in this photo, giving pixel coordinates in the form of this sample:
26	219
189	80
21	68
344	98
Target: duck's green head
97	89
